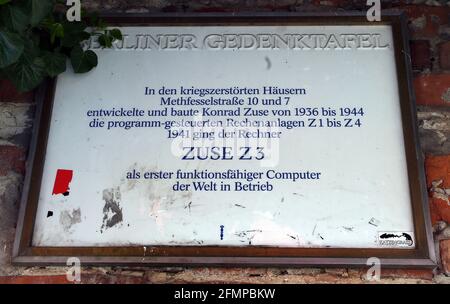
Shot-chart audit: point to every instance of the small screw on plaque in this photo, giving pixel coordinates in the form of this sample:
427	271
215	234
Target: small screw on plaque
221	231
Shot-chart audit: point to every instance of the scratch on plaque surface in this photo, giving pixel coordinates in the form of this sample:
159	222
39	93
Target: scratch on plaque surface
295	238
131	182
69	218
191	242
374	222
162	203
188	206
248	235
269	63
112	212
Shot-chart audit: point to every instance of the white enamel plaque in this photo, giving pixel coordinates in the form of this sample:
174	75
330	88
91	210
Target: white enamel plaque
282	136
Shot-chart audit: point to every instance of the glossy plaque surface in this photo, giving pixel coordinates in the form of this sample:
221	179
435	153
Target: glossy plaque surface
282	136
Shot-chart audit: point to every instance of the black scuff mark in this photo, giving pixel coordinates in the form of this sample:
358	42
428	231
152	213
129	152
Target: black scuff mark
293	237
350	229
188	206
296	193
240	206
112	212
374	222
248	235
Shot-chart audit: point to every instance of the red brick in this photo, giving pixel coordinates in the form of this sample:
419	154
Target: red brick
50	279
445	255
440	210
8	93
12	158
420	55
426	20
444	55
433	89
438	169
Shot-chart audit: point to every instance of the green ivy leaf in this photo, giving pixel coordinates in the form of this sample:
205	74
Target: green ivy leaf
116	34
35	39
27	73
71	40
11	48
4	1
31	49
74	34
56	30
105	40
55	63
38	10
14	18
83	61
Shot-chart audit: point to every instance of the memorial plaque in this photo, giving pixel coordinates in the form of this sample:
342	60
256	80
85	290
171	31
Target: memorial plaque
216	139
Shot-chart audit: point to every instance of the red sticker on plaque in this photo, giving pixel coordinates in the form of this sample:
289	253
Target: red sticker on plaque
62	181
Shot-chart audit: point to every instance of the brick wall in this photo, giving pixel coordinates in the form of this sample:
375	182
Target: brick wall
430	51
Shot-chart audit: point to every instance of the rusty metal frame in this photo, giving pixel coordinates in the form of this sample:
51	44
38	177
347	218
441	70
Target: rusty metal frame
422	256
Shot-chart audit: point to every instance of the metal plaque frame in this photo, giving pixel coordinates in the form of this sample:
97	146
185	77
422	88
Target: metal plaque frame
422	256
